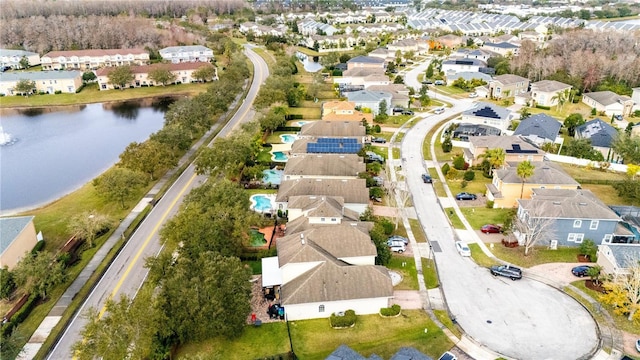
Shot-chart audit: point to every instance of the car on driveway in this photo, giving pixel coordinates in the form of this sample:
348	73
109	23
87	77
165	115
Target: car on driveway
638	345
438	111
462	248
447	356
473	95
397	247
426	178
378	140
427	82
491	229
512	272
393	238
581	270
439	82
466	196
618	117
407	112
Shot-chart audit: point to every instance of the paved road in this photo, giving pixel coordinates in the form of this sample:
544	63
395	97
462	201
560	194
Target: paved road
127	273
520	319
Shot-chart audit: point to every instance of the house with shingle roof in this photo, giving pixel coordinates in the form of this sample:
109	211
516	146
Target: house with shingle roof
324	128
11	58
516	149
323	210
609	102
467	64
507	85
483	113
506	186
188	53
17	238
399	93
601	135
503	48
323	166
546	92
182	71
574	215
615	259
48	82
343	111
539	129
371	100
354	191
92	59
365	62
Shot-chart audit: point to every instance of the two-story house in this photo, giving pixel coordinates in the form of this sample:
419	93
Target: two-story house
540	129
343	111
354	191
609	102
483	113
93	59
12	58
601	135
48	82
323	166
507	85
616	259
503	48
516	149
192	53
547	92
371	100
365	62
458	65
183	73
336	129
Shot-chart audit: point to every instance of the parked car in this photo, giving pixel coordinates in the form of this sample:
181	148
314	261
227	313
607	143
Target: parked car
447	356
439	82
491	229
407	112
581	270
397	110
638	345
378	140
473	95
465	196
397	247
427	82
403	239
618	117
426	178
512	272
370	156
438	111
462	248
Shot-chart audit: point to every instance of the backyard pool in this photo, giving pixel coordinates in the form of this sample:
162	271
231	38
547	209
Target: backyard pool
300	123
256	238
288	138
272	176
279	156
262	202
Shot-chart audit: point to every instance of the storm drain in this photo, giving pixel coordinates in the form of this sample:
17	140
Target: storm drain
435	246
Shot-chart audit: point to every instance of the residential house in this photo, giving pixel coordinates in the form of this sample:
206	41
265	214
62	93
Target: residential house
506	186
459	65
602	136
365	62
312	27
404	46
483	113
343	111
11	58
540	129
464	131
399	93
93	59
354	79
609	102
570	216
516	149
477	54
533	36
382	53
339	129
503	48
635	97
182	71
631	217
450	41
507	85
467	76
192	53
48	82
547	92
323	166
327	145
354	191
323	210
615	259
371	100
17	238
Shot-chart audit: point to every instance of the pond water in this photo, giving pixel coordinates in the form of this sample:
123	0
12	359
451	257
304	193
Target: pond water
308	63
54	151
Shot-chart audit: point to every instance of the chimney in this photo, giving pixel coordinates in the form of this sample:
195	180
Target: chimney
302	239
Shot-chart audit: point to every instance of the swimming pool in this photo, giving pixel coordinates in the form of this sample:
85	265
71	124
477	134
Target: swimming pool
262	202
279	156
288	138
300	123
272	176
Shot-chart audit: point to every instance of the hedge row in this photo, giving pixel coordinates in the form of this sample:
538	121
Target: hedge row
392	311
19	317
346	320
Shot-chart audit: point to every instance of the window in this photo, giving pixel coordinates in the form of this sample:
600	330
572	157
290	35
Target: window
575	237
607	239
321	308
594	225
577	223
322	219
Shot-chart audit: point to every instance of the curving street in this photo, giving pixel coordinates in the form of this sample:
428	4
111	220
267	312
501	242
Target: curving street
522	319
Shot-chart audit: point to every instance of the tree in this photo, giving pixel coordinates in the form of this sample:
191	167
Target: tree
12	345
429	73
572	122
120	76
379	238
7	284
162	75
382	111
227	155
623	291
38	273
127	330
398	80
273	119
24	63
533	224
524	113
594	273
524	170
25	87
204	73
582	149
88	76
119	184
88	225
495	157
148	157
628	147
447	144
561	97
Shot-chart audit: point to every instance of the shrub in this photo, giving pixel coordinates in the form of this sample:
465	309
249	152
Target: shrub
346	320
387	225
464	184
489	204
447	145
7	285
588	247
594	111
39	246
446	168
390	311
543	107
452	174
458	162
58	92
377	129
469	175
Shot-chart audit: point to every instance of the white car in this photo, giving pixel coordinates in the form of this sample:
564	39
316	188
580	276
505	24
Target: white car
398	247
473	95
438	111
462	248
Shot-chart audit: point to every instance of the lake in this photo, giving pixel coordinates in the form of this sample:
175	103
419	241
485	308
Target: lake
48	153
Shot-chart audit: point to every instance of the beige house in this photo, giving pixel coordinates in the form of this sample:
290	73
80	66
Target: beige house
546	92
507	85
12	58
343	111
93	59
17	238
615	258
48	82
323	166
333	129
353	191
609	102
516	149
506	187
182	71
365	62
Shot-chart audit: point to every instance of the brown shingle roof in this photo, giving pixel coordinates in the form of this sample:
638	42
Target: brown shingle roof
333	128
143	69
352	190
325	165
569	204
545	173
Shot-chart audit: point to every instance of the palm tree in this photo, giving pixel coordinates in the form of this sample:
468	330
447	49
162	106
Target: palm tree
495	157
524	170
561	97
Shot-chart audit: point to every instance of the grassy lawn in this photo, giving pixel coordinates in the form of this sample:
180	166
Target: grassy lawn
478	216
418	233
400	230
567	109
306	112
444	318
267	56
261	191
480	257
408	272
91	94
620	321
254	343
476	186
274	138
395	152
584	173
430	274
307	51
450	90
395	121
264	156
608	195
314	339
453	217
537	256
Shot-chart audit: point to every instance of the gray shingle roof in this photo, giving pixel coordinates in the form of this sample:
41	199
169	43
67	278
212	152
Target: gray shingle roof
569	204
484	109
368	96
605	97
333	129
10	52
409	353
508	79
545	173
549	86
541	125
600	133
10	228
624	253
366	60
343	352
325	165
352	190
511	144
